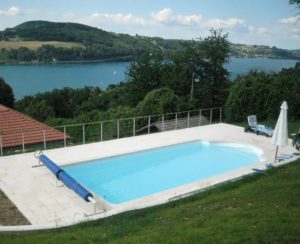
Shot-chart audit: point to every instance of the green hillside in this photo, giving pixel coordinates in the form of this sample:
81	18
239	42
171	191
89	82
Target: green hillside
253	51
96	44
78	33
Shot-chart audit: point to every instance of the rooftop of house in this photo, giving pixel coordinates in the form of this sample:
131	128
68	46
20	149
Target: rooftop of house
17	128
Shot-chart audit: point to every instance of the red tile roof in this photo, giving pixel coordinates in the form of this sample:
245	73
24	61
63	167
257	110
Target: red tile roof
16	127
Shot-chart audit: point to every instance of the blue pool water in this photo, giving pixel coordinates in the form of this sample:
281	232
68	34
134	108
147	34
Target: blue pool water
128	177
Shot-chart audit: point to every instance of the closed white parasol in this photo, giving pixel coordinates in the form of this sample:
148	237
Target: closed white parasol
280	135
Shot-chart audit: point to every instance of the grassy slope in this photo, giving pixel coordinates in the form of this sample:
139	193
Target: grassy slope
260	208
33	45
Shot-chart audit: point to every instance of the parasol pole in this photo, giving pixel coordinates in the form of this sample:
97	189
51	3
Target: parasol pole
276	152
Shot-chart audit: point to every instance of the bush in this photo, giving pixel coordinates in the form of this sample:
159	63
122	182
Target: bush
262	94
158	101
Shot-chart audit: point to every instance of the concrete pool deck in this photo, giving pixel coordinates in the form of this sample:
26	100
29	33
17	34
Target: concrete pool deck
48	204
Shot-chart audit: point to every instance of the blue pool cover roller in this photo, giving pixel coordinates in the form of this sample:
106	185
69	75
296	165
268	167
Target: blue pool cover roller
66	178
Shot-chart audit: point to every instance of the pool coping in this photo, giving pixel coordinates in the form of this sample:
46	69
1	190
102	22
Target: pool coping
215	132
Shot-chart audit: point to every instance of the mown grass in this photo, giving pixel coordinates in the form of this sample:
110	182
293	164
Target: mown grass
33	45
261	208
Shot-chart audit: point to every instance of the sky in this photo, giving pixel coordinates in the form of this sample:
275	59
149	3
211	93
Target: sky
261	22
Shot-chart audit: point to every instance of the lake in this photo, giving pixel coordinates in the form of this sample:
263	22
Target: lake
30	79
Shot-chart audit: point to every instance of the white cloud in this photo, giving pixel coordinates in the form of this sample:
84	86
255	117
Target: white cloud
119	18
292	26
262	30
12	11
166	16
251	28
162	16
294	20
296	36
225	23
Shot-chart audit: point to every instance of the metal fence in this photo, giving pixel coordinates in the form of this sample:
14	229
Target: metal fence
75	134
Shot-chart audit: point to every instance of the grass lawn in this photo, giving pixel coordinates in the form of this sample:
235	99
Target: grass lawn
33	45
263	207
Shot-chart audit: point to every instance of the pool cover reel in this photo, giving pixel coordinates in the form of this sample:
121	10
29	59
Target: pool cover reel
65	178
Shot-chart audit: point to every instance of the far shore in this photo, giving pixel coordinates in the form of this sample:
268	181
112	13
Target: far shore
118	59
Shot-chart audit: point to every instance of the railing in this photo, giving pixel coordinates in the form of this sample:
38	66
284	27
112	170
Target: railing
75	134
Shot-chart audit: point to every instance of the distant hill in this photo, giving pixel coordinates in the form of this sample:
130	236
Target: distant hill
81	42
252	51
78	33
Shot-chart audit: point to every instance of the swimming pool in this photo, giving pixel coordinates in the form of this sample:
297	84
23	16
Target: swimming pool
128	177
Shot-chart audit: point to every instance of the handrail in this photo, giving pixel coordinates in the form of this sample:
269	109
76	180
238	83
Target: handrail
135	125
136	117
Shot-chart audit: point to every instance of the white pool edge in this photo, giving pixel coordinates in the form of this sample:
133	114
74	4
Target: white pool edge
158	198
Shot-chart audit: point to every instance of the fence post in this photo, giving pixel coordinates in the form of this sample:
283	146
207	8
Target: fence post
118	129
45	147
163	122
83	133
210	119
101	131
188	120
65	136
149	122
133	127
220	115
200	117
1	150
23	142
176	121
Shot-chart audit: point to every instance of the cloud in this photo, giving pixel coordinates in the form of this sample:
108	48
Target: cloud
225	23
12	11
167	23
296	36
163	18
262	30
166	16
120	18
292	26
294	20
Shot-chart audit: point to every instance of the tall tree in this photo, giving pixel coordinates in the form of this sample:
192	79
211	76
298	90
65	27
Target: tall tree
144	75
207	57
6	94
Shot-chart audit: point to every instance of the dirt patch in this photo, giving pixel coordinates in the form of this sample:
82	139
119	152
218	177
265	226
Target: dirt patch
9	214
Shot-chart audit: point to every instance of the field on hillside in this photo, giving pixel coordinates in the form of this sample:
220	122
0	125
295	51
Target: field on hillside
33	45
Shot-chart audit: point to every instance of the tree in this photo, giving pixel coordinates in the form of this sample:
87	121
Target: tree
211	53
158	101
40	110
249	95
262	94
6	94
295	2
144	75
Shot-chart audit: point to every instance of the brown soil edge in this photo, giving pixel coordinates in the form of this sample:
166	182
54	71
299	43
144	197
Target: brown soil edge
9	213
